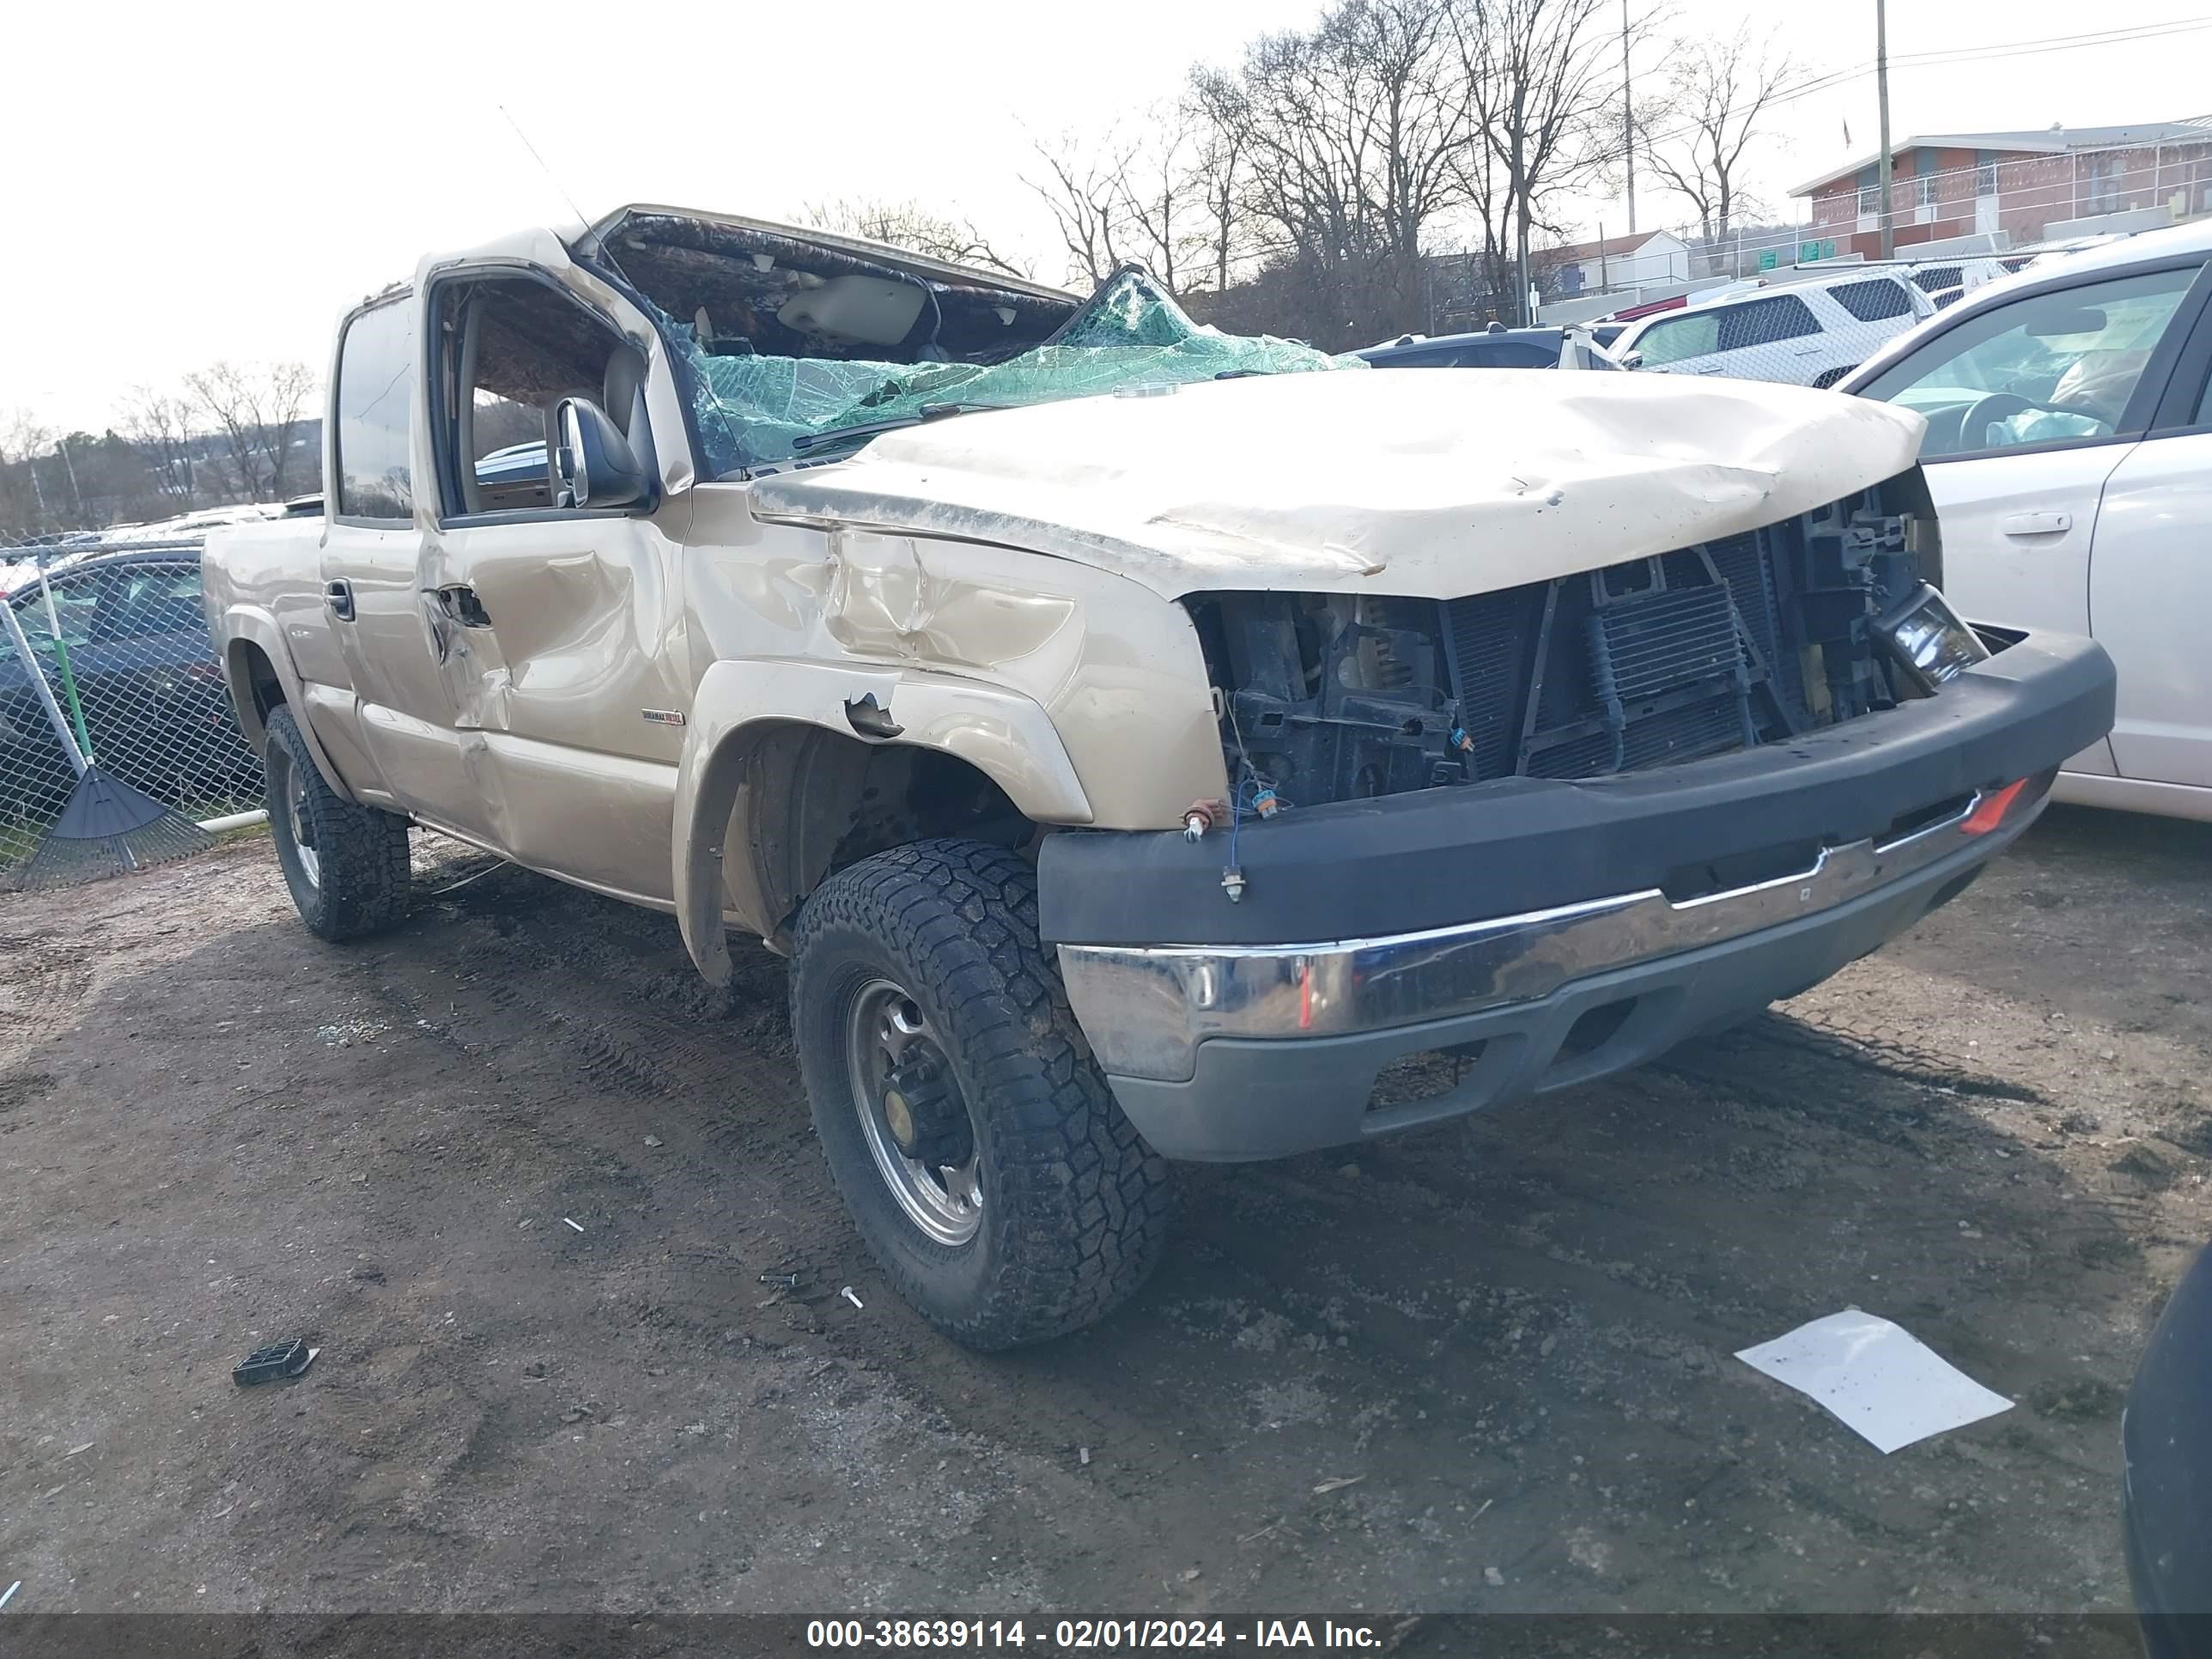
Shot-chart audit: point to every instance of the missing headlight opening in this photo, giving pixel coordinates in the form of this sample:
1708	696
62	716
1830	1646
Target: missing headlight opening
1652	661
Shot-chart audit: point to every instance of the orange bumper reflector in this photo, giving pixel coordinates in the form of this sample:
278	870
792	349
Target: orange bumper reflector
1991	812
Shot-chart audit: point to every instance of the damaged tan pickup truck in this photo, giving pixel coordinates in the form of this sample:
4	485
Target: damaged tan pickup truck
1147	744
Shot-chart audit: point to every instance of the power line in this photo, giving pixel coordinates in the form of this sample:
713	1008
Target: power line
1831	78
2055	43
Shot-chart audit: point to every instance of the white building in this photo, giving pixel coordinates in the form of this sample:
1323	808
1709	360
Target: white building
1630	261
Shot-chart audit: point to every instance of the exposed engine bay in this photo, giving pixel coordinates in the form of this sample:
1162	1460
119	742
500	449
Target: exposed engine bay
1650	662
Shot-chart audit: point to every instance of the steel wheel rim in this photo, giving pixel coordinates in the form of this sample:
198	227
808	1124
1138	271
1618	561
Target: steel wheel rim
885	1027
293	791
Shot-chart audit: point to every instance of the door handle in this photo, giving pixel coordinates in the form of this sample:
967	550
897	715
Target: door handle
2036	523
338	595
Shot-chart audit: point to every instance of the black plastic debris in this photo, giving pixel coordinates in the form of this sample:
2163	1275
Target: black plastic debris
278	1359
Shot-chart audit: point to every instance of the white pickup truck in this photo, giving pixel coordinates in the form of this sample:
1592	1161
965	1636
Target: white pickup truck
1147	744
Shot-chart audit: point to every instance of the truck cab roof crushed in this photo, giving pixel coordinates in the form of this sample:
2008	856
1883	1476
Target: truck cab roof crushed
788	338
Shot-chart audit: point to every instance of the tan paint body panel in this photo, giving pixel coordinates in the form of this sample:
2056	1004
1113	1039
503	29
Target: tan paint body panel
1429	484
1004	583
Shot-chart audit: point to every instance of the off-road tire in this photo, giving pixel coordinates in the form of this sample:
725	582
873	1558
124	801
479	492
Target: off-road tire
1076	1206
361	853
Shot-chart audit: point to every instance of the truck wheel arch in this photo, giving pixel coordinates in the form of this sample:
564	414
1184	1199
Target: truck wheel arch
258	673
773	774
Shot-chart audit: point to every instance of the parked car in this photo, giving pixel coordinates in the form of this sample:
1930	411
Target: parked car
1963	276
1496	347
2069	452
1805	333
1044	674
2039	255
155	700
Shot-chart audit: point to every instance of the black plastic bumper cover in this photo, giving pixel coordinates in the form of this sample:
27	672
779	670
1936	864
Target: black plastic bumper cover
1269	1098
1440	857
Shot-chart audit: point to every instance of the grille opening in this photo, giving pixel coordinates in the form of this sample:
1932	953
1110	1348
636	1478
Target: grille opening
1637	576
1906	822
1703	879
1754	638
1595	1028
1410	1079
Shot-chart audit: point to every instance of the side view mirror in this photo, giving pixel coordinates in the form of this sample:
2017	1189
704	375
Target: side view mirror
1633	360
595	463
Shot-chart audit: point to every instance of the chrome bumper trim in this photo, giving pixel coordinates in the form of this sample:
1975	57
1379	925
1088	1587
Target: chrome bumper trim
1145	1010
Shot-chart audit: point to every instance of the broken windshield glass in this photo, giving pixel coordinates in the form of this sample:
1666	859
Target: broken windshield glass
757	411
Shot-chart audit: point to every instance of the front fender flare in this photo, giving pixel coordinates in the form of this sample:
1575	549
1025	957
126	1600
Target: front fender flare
246	624
754	722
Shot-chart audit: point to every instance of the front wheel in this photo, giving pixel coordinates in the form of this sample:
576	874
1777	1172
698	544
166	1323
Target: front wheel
345	863
967	1128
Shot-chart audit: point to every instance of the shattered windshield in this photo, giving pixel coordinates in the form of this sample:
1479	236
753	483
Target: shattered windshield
760	412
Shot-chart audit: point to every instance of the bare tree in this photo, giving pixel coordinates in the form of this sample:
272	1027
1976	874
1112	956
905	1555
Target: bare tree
1084	185
911	226
1216	186
1719	92
1344	143
259	410
1540	89
1157	197
23	435
160	424
23	507
1415	107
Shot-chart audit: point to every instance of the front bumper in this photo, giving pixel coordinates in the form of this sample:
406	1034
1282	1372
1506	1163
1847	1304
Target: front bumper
1719	885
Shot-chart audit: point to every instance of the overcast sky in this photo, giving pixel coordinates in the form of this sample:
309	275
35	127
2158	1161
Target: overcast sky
186	183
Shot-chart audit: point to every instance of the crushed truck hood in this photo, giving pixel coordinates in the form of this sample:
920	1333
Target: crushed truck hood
1432	483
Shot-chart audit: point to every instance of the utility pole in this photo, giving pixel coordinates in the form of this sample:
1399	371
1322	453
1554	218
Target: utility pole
1627	120
69	466
1882	97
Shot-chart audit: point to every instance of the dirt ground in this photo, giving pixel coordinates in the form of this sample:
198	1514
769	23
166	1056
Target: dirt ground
1512	1336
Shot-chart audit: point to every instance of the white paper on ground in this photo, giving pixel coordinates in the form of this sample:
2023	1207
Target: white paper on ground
1878	1378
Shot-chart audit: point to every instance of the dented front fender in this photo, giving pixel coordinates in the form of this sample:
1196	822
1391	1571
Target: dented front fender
770	772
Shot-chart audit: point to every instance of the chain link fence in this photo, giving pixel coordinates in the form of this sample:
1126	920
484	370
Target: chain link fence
152	692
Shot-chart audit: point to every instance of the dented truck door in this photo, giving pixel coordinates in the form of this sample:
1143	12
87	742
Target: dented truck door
560	623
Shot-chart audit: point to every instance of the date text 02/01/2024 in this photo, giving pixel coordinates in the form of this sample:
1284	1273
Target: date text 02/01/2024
1089	1635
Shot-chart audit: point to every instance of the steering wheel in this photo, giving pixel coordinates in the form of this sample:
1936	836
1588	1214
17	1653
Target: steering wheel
1985	412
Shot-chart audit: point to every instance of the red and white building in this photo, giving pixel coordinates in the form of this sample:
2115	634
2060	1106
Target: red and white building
2020	184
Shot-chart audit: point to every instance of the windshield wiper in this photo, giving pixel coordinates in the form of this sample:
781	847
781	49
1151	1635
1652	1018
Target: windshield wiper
808	441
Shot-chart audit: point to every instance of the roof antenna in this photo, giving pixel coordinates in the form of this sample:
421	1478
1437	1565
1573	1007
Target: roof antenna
543	168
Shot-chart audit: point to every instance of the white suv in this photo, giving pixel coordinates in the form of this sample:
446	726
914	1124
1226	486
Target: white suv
1807	333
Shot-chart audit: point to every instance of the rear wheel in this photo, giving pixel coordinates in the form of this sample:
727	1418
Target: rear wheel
346	863
967	1128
